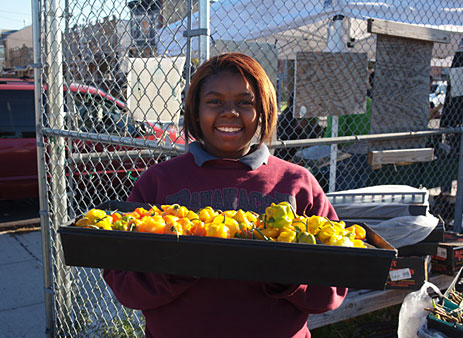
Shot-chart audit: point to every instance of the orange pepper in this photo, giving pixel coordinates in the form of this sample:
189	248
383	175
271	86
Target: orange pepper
115	216
198	227
155	224
186	225
141	212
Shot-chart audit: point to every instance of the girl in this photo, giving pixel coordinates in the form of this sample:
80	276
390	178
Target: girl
230	103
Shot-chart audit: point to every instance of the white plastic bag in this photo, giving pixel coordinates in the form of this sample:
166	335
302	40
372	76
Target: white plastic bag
406	230
412	315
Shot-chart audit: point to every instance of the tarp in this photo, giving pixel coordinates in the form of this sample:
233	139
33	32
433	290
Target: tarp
295	25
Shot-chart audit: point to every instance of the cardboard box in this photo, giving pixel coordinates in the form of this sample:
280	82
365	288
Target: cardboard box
241	259
452	236
419	249
408	273
449	258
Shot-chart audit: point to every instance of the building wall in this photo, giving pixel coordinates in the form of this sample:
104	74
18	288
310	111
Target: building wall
19	48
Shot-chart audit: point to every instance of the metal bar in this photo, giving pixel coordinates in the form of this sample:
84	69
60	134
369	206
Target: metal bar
359	138
334	43
457	223
115	140
76	158
55	100
204	22
195	32
41	171
188	55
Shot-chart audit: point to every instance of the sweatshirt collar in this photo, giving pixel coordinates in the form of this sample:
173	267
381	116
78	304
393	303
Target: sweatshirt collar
253	160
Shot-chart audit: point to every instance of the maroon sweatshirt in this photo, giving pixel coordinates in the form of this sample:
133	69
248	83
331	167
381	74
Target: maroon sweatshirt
182	306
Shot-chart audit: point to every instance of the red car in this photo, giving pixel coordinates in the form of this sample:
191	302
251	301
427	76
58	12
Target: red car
94	111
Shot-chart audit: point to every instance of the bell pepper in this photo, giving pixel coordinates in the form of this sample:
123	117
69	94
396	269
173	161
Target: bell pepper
82	222
141	212
206	214
315	223
175	210
326	232
279	215
358	243
287	235
186	225
218	230
94	215
229	221
198	227
155	224
301	223
305	237
267	233
360	232
105	223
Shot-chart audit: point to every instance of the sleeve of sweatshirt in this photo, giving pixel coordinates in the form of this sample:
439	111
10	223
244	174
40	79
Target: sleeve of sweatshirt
310	299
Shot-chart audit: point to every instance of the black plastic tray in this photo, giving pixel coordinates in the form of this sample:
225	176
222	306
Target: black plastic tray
240	259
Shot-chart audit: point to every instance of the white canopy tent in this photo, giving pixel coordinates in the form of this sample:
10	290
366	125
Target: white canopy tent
294	25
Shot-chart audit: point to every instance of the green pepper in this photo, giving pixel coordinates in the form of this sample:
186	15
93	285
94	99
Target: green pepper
305	237
279	215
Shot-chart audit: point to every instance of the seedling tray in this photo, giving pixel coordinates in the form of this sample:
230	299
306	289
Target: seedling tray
452	330
239	259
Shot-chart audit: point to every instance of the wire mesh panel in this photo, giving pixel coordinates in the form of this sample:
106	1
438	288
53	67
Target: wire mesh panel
114	75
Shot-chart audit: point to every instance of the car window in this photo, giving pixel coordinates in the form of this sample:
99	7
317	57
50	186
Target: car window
17	113
99	115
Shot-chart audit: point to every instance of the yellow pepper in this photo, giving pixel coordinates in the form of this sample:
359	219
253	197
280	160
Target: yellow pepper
266	233
105	223
359	231
301	223
287	235
315	223
279	215
206	214
94	215
155	224
218	230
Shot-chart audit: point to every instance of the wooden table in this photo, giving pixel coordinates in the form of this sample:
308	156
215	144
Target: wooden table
360	302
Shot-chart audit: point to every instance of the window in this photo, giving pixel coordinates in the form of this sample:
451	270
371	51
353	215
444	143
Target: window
17	113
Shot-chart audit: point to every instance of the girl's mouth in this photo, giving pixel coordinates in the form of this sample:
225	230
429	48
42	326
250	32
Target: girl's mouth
228	129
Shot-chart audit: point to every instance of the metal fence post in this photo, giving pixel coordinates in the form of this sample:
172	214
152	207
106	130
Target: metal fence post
57	149
457	225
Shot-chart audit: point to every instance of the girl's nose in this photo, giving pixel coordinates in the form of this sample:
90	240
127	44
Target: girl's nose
229	109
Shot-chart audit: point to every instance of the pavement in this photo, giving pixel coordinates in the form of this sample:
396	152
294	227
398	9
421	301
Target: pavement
22	300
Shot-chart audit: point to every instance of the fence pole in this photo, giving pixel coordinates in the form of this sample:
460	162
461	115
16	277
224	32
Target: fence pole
57	152
334	44
457	223
204	22
41	173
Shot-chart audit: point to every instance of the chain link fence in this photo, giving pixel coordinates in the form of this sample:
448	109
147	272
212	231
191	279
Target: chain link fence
369	94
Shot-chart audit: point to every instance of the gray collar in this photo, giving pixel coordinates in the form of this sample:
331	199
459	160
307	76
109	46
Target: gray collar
253	160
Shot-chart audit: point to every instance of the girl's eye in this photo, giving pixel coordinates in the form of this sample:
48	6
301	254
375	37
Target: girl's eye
246	102
213	101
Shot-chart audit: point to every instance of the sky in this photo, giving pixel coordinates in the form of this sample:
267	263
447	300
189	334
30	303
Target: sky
15	14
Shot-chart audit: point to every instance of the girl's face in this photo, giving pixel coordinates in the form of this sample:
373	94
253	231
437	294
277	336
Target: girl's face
227	114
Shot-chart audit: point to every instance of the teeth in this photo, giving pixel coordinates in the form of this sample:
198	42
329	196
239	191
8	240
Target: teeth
229	129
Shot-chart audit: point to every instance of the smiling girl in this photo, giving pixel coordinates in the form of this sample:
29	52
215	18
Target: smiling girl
230	103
